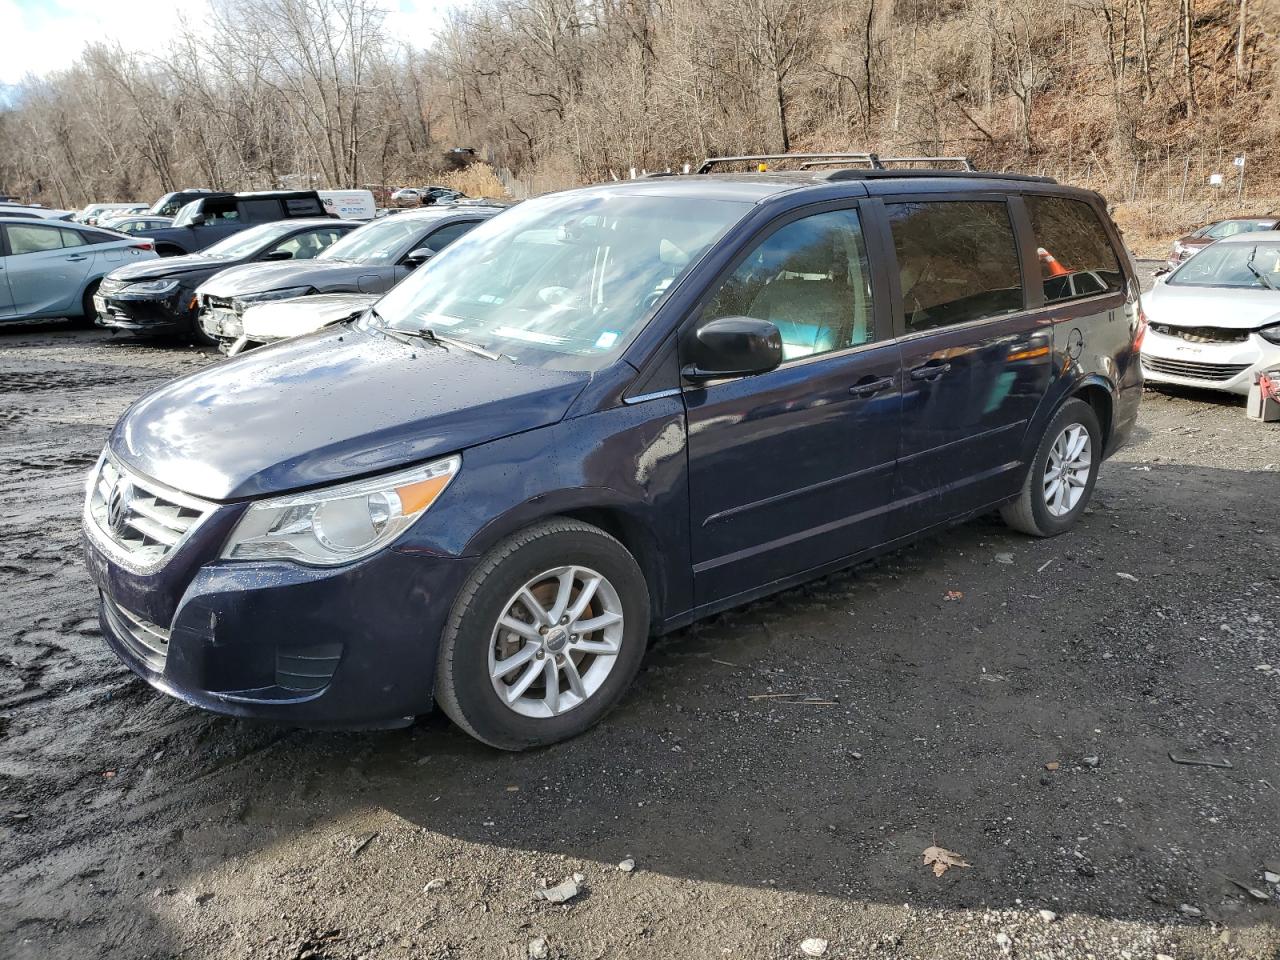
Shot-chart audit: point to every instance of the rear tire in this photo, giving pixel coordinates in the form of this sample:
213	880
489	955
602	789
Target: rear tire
570	682
1061	478
88	314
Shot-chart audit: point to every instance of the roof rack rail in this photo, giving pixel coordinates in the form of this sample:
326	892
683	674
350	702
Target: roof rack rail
965	162
809	160
869	158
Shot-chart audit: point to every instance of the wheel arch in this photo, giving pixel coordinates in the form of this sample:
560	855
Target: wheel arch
616	515
1099	394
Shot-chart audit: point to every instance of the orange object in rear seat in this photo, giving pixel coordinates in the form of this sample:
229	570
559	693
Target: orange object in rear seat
1049	266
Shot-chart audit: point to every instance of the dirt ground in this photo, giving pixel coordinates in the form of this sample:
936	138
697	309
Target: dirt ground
1026	726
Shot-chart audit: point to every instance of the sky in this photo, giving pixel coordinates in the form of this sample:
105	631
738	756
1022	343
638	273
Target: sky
44	35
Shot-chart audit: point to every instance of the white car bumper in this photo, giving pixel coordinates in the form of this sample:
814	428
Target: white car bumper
1229	366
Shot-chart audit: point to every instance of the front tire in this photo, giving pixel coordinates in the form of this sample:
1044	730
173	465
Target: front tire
545	636
1062	474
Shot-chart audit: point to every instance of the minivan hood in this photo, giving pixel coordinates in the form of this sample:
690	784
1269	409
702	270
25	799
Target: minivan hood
338	404
166	267
274	275
1237	309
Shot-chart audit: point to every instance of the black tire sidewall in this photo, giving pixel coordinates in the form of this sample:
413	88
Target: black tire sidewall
1071	412
479	703
88	316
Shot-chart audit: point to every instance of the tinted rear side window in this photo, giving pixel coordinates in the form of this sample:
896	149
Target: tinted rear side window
1076	258
259	211
303	207
957	261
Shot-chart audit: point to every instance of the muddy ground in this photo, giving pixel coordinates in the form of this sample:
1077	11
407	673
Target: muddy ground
1026	726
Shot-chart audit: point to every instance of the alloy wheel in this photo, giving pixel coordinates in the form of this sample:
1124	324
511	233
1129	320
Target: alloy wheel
556	641
1066	473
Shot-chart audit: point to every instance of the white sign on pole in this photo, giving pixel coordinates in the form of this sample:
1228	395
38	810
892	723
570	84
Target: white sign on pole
1239	161
1215	179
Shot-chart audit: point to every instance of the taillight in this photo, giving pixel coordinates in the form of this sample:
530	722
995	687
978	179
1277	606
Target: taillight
143	245
1140	334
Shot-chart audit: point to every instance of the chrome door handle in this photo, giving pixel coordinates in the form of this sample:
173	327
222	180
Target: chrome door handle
872	388
930	371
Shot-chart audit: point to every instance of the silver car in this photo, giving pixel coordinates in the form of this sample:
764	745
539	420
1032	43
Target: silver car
53	270
370	259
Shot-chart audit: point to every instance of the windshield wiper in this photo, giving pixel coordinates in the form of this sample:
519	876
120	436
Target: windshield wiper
446	341
1262	279
387	330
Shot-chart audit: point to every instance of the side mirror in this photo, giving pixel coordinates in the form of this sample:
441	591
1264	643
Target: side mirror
733	347
420	256
1162	273
197	220
278	255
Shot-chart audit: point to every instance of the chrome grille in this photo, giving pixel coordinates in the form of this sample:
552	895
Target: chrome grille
145	640
1193	370
140	521
1202	334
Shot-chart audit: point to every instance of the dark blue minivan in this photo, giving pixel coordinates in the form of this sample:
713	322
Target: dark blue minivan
599	416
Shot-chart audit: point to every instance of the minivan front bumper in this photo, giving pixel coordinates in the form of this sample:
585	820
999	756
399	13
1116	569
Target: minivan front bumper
350	647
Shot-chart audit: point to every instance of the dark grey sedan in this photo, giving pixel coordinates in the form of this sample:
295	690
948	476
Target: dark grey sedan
371	259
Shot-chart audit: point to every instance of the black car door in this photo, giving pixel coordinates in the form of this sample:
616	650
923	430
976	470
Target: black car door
793	468
975	355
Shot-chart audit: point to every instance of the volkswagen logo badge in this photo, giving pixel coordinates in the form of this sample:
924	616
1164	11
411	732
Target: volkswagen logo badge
118	507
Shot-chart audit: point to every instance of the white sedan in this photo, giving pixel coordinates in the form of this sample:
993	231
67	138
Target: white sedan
282	319
1215	321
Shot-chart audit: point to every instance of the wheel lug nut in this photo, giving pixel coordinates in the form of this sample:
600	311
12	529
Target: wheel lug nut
573	638
563	621
539	655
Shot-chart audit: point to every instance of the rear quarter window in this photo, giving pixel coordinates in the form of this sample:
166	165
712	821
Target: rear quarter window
91	236
1076	256
303	207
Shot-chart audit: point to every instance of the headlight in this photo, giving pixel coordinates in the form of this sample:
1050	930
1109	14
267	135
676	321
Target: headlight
251	298
1271	333
339	524
152	286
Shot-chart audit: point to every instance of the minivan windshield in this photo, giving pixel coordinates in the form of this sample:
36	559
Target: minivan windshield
1241	264
563	281
380	242
246	242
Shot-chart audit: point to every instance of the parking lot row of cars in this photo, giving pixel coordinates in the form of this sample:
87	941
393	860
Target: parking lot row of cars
142	272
